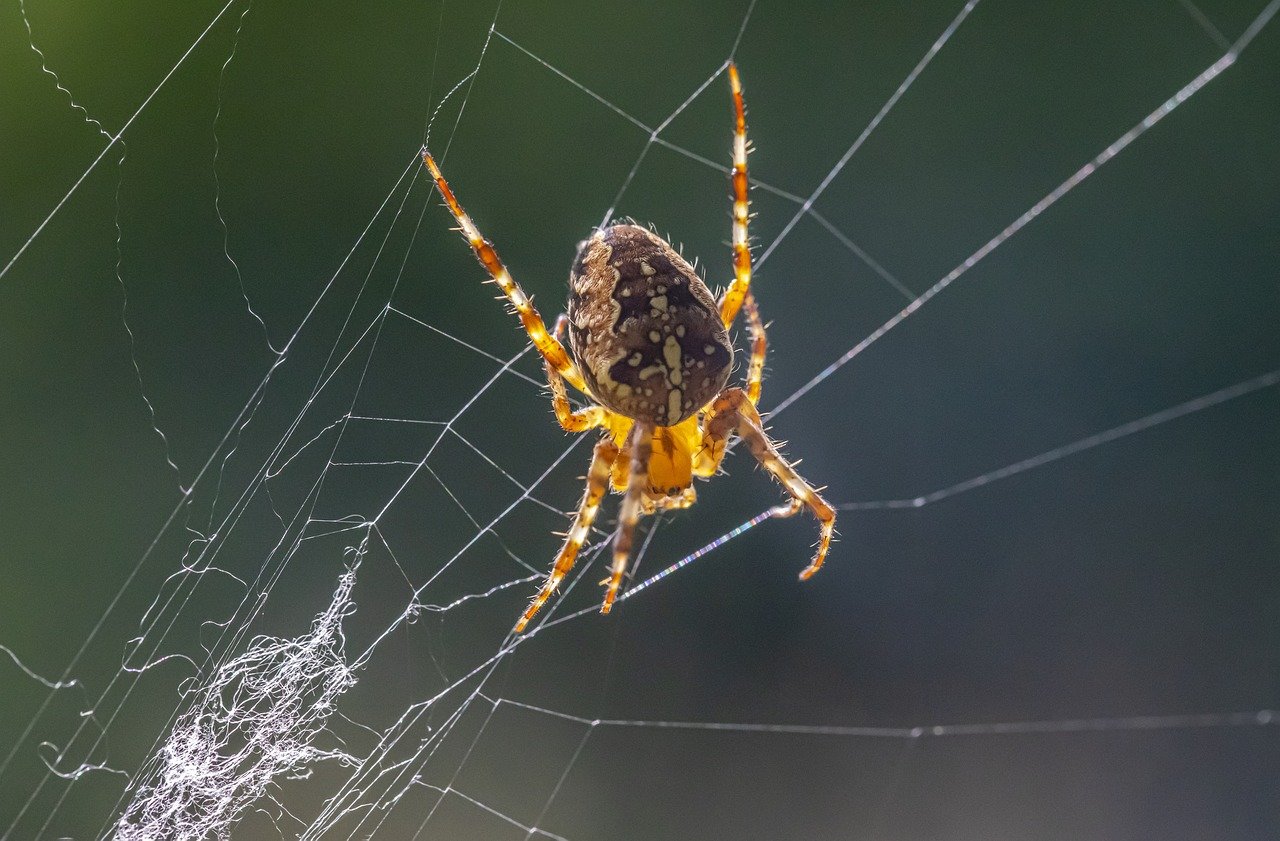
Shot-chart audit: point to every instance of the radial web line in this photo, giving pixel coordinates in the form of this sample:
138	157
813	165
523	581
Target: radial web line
1140	425
898	93
1074	180
654	137
1116	432
1256	718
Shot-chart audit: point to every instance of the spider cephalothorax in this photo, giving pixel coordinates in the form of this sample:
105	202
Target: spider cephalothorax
651	349
644	329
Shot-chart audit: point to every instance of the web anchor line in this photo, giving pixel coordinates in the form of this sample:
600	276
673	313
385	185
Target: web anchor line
1142	424
1255	718
1215	398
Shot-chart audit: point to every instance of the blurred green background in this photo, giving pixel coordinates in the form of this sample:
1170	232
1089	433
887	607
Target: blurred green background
1137	578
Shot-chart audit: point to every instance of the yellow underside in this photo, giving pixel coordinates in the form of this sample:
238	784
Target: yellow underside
677	455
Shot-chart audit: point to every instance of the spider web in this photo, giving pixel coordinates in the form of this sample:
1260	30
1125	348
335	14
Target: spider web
1050	614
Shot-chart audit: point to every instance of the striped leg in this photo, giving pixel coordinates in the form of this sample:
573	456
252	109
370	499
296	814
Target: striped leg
581	420
733	409
733	297
597	486
571	421
759	346
738	295
641	445
552	351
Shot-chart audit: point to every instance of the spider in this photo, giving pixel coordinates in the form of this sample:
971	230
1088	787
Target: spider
650	347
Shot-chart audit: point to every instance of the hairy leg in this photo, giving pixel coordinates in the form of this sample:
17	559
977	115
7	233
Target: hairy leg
597	485
759	346
733	410
552	351
733	297
641	445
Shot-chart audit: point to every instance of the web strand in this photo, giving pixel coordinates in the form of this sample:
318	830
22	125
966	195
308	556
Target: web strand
114	139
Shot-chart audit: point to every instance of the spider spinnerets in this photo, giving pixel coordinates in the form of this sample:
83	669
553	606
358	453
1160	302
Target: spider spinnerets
650	348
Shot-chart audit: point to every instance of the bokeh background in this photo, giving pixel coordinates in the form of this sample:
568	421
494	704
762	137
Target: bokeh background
1137	578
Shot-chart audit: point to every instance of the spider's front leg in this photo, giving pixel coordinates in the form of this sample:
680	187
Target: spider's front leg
597	485
551	349
641	445
733	297
738	295
734	409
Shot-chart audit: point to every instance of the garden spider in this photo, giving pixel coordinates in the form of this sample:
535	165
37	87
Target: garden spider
651	348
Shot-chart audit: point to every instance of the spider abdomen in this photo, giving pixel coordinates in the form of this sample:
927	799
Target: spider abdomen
643	328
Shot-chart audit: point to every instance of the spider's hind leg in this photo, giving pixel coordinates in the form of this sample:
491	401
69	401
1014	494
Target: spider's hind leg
597	485
641	446
733	410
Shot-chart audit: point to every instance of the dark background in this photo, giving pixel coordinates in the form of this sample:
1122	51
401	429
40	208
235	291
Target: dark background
1134	579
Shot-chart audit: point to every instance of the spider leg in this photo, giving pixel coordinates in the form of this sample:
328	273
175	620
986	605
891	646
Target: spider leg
759	346
733	409
597	486
737	292
738	295
641	445
552	351
571	421
579	421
